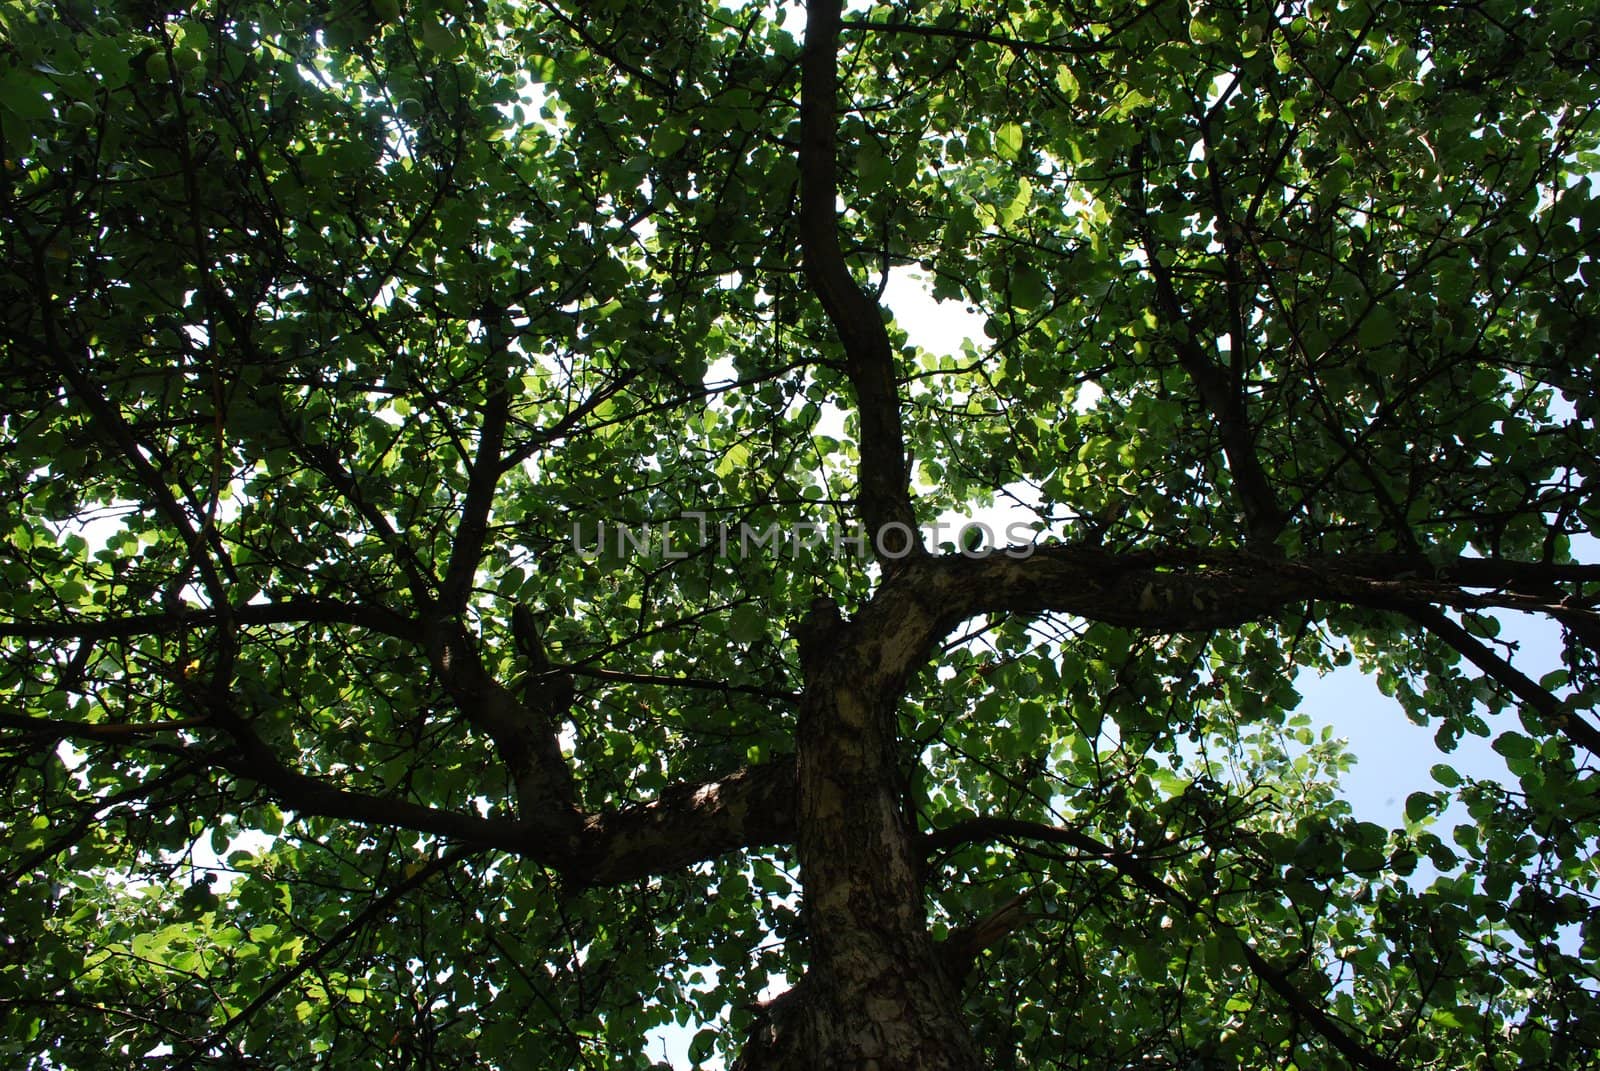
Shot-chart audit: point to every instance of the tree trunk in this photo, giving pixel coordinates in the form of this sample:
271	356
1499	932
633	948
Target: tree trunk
877	993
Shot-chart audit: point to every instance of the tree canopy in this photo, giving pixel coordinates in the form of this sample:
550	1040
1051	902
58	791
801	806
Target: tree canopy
471	591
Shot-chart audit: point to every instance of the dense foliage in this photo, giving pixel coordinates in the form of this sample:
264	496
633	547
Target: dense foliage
433	435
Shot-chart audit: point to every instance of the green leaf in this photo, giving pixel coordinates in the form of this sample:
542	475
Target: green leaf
440	39
745	624
872	166
1018	205
667	141
22	95
1029	288
1008	141
1151	960
1067	83
1377	328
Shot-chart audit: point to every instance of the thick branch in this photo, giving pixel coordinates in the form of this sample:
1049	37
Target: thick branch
752	807
487	465
689	822
524	736
960	950
1223	396
883	475
298	611
1178	588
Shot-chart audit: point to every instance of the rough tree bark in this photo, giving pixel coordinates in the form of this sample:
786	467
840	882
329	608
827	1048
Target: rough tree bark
877	994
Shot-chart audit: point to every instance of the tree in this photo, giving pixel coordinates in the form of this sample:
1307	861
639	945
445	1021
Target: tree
464	488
